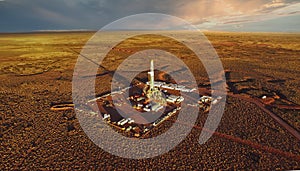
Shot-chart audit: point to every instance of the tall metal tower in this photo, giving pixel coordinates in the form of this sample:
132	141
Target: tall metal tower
153	93
151	76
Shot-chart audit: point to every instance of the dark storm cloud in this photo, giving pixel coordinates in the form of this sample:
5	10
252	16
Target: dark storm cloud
28	15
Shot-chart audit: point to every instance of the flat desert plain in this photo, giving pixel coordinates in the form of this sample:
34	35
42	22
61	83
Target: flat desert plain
263	77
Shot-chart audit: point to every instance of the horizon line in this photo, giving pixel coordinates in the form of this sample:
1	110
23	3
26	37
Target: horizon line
115	30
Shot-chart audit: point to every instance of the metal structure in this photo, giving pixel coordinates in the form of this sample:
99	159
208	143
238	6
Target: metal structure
154	94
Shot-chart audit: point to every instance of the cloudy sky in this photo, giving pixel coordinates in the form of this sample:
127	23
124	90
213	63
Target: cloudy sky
223	15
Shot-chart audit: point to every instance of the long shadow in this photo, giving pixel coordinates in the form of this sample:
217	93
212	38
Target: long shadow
230	84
